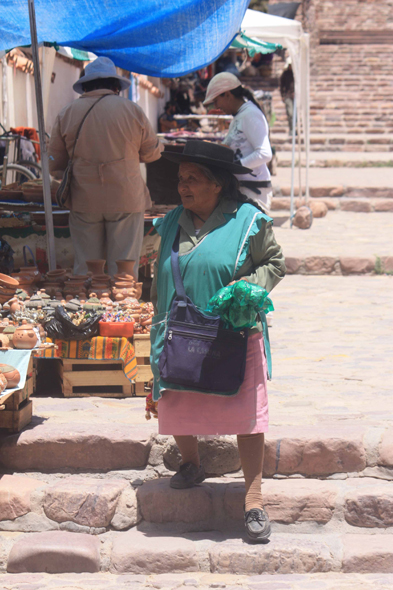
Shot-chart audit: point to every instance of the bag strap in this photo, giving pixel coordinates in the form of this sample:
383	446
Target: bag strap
83	120
179	286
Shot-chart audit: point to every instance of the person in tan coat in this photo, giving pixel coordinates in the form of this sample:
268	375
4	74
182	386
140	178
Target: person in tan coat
108	194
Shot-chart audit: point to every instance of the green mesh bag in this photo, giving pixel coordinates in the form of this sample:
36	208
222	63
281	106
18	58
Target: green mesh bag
238	304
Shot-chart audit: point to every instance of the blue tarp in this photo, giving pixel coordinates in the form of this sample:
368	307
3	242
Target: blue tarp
162	38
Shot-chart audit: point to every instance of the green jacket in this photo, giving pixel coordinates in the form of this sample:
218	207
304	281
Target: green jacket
264	264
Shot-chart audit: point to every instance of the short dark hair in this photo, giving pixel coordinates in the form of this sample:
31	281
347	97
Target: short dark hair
107	83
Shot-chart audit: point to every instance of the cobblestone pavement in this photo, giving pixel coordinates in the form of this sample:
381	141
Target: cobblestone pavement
332	351
332	341
340	233
196	580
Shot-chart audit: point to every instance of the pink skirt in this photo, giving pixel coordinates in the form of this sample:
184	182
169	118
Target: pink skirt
247	412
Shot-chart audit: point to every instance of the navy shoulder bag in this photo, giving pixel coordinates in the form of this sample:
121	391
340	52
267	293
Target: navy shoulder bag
198	353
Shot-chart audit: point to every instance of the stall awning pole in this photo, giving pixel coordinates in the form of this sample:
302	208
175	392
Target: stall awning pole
50	236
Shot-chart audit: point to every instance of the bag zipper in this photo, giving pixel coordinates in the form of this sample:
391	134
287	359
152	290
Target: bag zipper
177	323
196	336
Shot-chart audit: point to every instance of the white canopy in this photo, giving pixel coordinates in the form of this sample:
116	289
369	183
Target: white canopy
289	33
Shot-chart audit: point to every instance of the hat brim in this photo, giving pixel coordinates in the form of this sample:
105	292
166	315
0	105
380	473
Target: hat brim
124	83
179	158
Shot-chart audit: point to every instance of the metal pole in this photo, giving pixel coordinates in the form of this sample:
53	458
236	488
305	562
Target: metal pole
50	236
294	119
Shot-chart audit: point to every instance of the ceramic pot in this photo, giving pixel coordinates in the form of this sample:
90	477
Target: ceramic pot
25	336
11	374
126	266
96	266
138	288
31	271
8	282
123	276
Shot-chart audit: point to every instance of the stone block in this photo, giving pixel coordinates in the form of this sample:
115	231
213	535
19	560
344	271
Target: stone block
57	446
331	204
319	265
387	263
218	455
293	264
350	265
383	204
15	495
127	513
320	191
280	204
55	553
321	453
386	449
368	554
159	503
136	553
302	218
284	554
337	191
361	206
318	207
85	501
287	501
370	507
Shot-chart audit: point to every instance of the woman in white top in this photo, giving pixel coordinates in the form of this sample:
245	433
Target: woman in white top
248	135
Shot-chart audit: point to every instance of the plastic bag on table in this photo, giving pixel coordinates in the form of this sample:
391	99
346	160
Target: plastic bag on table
60	327
238	304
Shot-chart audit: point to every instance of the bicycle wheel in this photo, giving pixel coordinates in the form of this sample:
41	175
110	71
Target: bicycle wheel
34	167
17	173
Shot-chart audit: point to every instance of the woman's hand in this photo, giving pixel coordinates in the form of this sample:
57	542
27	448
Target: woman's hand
233	282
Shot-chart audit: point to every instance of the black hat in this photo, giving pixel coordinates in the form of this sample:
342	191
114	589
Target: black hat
209	154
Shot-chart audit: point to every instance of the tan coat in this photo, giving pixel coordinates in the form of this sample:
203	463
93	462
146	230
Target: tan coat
116	136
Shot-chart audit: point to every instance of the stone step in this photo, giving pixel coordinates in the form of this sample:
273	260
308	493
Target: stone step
93	505
350	199
198	580
138	552
344	159
53	446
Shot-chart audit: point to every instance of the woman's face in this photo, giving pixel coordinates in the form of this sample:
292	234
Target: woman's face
198	194
225	102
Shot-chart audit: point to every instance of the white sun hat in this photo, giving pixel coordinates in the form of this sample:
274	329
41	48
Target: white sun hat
102	67
220	83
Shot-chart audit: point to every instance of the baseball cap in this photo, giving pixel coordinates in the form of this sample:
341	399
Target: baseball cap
220	83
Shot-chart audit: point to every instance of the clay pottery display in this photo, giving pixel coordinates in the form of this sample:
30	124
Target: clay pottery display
138	288
126	266
4	341
124	285
96	266
11	374
25	337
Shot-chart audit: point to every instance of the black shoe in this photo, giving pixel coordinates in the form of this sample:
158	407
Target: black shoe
257	525
187	476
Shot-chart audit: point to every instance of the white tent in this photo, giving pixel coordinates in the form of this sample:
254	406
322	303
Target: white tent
289	33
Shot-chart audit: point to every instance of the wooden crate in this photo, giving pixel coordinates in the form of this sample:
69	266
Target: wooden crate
142	352
99	378
16	408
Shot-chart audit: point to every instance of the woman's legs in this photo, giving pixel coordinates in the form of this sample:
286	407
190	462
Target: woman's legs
191	471
251	451
188	447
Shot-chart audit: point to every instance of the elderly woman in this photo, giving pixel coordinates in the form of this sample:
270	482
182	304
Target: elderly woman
223	239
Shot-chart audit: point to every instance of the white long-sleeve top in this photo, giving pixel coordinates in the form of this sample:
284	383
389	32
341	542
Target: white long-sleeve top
248	136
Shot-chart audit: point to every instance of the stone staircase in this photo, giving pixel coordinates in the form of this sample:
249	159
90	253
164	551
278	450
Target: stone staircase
77	498
351	101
